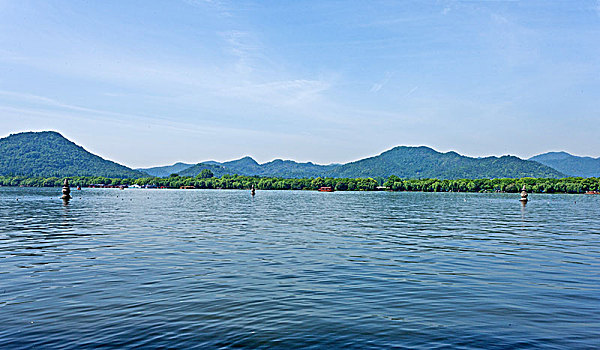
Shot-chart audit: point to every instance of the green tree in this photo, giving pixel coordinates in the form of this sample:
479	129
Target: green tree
205	174
317	183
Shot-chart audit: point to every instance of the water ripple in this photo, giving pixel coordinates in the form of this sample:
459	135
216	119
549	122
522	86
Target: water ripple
294	269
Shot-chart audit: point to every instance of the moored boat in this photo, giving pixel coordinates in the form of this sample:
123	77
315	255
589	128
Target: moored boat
326	189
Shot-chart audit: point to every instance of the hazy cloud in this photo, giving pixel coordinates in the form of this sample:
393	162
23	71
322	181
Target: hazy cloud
291	76
378	86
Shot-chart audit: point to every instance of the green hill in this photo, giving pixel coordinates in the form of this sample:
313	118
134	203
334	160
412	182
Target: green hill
424	162
280	168
249	167
48	153
242	166
570	164
405	162
217	170
164	171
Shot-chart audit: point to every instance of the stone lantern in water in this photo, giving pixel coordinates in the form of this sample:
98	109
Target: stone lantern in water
523	195
66	191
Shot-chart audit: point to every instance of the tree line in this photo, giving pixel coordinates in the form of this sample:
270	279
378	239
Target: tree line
393	183
536	185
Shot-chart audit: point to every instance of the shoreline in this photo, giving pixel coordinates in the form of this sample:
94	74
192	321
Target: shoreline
302	190
570	185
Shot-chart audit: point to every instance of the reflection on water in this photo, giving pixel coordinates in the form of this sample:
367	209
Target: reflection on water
179	269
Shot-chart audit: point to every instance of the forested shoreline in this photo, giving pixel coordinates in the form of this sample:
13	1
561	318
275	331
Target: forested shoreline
205	180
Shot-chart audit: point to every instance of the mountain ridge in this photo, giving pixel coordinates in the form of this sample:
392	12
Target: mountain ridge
570	164
402	161
48	153
425	162
166	170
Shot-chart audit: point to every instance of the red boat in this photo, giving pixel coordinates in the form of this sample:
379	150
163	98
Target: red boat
326	189
592	192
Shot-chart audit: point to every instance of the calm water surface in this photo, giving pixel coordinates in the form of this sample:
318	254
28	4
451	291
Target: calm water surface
293	269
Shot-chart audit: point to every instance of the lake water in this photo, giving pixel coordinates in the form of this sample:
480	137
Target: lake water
298	269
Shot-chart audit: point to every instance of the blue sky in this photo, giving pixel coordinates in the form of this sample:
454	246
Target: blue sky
149	83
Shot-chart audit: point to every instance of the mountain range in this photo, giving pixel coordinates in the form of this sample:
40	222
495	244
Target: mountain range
164	171
424	162
275	168
402	161
50	154
569	164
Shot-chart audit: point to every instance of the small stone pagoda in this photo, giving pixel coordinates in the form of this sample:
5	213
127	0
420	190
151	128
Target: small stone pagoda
66	191
524	195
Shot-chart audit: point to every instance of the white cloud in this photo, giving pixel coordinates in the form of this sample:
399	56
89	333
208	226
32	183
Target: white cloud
246	48
286	92
379	85
411	92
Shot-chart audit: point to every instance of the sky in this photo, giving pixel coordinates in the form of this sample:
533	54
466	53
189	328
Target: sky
147	83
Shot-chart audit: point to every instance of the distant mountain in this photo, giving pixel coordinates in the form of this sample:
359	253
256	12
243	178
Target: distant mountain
249	167
280	168
243	166
164	171
402	161
217	170
570	164
48	153
424	162
277	168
